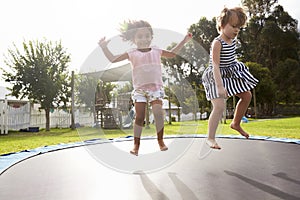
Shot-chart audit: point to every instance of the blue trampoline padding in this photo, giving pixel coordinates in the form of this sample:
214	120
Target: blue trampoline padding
10	159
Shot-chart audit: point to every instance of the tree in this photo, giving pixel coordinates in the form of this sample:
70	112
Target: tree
289	87
39	73
265	89
271	39
204	32
124	88
269	43
86	88
187	67
259	8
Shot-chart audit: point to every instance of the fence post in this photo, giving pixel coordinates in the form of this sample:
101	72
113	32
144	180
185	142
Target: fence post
4	117
1	116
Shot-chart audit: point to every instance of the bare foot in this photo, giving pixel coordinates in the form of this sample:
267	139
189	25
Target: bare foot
135	150
212	144
239	129
162	145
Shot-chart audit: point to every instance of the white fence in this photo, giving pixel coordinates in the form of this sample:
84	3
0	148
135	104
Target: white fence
60	118
17	115
14	115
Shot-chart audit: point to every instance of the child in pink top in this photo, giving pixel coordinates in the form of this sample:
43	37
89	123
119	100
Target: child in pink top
146	75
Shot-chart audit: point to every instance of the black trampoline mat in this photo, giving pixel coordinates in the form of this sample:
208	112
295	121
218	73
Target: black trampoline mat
243	169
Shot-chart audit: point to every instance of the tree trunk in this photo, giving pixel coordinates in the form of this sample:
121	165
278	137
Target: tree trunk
47	111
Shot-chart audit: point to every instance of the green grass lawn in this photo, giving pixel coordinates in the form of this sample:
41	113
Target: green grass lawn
18	141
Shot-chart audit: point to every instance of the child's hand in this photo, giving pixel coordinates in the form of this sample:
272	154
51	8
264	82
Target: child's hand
222	92
188	36
103	43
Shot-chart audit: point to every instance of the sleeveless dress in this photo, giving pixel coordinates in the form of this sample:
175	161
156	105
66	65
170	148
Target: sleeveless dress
235	75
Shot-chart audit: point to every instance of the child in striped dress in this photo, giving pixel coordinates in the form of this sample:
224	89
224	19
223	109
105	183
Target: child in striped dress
226	76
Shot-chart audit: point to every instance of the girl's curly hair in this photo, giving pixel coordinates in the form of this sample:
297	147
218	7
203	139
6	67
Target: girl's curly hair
129	28
226	14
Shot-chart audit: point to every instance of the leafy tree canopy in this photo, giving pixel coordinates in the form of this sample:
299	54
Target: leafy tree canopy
39	72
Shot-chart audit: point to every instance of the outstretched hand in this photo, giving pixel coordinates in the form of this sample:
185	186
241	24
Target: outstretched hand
188	37
103	42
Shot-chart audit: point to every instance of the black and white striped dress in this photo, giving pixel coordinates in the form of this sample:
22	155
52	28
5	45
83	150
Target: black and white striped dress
235	75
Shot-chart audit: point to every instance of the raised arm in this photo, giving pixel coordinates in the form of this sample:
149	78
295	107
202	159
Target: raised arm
109	55
173	52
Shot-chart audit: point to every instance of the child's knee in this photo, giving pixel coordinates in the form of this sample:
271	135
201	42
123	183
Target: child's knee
220	108
249	93
246	95
139	120
157	109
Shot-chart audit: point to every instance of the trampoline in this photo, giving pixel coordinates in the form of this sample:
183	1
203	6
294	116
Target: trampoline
251	169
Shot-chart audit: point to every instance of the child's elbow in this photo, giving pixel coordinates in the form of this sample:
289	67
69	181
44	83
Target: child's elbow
170	54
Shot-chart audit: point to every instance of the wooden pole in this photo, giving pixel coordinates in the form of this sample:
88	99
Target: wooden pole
255	106
72	104
147	115
169	100
225	112
1	116
6	116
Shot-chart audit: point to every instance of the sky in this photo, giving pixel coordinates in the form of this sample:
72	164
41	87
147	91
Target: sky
79	24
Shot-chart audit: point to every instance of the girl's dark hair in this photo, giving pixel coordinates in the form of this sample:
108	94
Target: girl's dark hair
226	14
129	28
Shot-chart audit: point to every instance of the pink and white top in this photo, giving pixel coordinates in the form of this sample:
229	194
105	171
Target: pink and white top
146	69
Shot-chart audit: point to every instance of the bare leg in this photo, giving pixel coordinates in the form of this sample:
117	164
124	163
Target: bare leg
214	120
240	111
159	123
138	126
136	146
